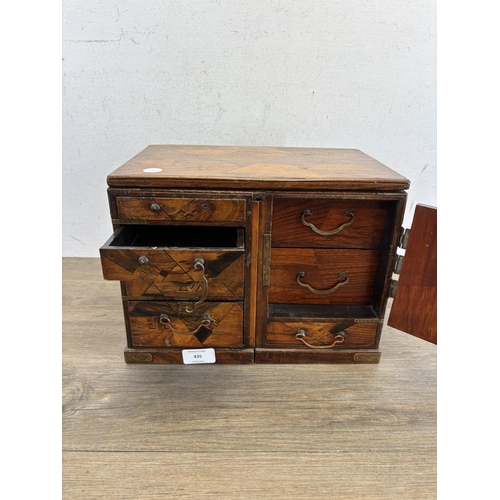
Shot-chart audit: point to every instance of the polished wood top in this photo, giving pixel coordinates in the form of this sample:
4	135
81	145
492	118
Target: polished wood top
245	167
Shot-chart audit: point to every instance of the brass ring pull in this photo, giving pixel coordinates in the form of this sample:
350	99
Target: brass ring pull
342	276
199	263
164	319
348	213
339	339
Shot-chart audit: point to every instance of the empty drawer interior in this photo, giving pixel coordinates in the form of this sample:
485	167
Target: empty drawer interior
179	237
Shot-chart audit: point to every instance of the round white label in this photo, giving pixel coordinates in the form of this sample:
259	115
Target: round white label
152	170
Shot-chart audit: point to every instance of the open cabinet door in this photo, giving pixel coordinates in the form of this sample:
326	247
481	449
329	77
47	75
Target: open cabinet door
414	309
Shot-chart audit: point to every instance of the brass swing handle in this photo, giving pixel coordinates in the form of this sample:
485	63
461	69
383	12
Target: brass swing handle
207	322
342	276
348	213
339	339
199	264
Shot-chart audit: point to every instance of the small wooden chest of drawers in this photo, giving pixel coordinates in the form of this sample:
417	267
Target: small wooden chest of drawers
262	254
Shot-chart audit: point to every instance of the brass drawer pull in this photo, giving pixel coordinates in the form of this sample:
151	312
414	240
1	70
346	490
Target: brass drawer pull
199	263
208	322
348	213
342	276
339	339
164	319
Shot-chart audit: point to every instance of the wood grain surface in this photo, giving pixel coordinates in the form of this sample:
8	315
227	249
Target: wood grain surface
180	209
364	231
255	168
364	431
415	303
180	328
173	274
322	268
321	333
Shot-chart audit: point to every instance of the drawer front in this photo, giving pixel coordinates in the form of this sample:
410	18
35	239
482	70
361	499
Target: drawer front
168	324
176	274
180	209
320	335
322	276
350	224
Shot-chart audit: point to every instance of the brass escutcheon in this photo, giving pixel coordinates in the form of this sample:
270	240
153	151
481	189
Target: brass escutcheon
367	357
138	357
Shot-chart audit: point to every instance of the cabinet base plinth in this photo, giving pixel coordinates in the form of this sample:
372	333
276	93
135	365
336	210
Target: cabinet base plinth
318	357
162	356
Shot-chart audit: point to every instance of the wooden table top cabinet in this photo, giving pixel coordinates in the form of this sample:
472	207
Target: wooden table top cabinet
266	255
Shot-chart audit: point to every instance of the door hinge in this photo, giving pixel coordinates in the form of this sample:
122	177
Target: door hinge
403	239
398	264
266	261
398	261
392	288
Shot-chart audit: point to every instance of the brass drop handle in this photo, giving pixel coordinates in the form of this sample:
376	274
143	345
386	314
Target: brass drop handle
143	260
339	339
306	212
207	322
154	207
342	276
199	264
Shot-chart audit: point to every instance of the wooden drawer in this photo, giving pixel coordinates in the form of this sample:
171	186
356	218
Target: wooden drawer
168	324
145	259
292	269
180	209
295	223
321	335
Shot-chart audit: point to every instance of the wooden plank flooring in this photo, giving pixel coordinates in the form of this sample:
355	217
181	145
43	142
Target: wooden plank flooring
237	431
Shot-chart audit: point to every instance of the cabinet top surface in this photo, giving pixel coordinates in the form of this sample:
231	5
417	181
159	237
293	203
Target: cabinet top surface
245	167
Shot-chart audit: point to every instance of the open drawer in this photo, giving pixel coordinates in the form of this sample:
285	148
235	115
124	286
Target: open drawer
176	262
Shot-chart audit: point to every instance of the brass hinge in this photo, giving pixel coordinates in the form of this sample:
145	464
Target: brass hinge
266	260
392	288
398	261
403	239
398	264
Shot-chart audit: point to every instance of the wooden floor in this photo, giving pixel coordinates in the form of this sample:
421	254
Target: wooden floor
237	431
